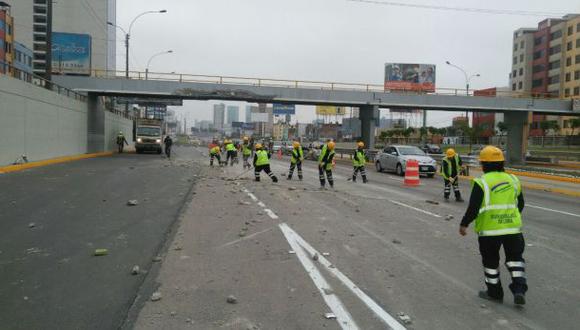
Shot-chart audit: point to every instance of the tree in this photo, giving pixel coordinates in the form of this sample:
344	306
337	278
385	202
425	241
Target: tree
549	125
574	124
502	128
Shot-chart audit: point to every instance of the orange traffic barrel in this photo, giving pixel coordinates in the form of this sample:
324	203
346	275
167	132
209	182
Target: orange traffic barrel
412	173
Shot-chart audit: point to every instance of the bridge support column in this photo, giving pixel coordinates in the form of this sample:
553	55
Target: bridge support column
95	124
517	137
368	115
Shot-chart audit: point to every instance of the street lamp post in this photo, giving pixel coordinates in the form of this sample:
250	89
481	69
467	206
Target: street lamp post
467	82
151	58
128	35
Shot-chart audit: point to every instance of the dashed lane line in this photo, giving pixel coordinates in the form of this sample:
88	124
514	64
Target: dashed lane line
552	210
271	214
415	208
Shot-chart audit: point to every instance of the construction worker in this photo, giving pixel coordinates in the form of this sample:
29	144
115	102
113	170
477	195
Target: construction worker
262	163
359	161
496	204
168	141
246	152
121	141
296	159
325	164
450	169
215	153
230	152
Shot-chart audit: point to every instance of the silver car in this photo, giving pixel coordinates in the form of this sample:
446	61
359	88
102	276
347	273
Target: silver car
394	159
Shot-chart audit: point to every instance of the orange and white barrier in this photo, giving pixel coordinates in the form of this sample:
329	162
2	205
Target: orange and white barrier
412	173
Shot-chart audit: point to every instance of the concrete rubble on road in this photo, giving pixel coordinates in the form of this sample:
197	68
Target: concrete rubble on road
330	316
449	217
156	296
31	225
232	299
157	259
135	270
101	252
132	202
404	317
315	257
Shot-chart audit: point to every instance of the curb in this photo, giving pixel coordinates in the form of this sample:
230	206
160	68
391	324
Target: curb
545	176
572	193
59	160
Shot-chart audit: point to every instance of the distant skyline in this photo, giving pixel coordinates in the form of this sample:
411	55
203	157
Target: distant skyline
326	40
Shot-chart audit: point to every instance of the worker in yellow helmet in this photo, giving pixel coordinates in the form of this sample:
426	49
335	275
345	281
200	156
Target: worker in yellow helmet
450	169
325	164
296	159
359	161
215	152
262	163
496	204
246	152
230	152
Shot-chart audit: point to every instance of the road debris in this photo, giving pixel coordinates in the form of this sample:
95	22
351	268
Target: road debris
101	252
330	316
136	270
173	313
291	252
292	188
326	254
31	225
157	259
327	291
132	202
432	202
232	299
449	217
156	296
178	248
243	202
315	257
396	241
405	318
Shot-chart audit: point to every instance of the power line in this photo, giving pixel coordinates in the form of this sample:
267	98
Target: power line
464	9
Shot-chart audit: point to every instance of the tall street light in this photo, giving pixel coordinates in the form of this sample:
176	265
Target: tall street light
151	58
128	35
467	82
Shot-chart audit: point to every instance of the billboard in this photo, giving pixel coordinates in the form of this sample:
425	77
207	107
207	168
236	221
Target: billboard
330	110
284	109
410	77
71	53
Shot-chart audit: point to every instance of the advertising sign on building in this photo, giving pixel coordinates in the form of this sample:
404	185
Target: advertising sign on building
410	77
71	53
284	109
330	110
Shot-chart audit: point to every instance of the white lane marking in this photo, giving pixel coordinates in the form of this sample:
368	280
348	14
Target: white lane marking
271	214
245	238
342	315
260	204
371	304
557	211
252	196
415	208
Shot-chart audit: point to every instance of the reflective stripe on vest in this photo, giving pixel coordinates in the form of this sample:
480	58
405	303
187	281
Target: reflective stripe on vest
447	174
361	159
296	155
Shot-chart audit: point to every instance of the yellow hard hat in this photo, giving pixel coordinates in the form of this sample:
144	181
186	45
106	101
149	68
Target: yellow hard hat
246	138
296	144
360	144
331	145
491	154
450	152
259	146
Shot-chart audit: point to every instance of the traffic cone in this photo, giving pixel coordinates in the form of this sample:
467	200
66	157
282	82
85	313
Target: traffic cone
412	173
279	153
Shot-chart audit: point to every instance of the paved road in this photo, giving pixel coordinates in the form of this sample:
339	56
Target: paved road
49	278
390	252
382	250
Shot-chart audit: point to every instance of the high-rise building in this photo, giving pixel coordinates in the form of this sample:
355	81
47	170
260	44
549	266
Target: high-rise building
219	111
6	39
544	63
249	113
233	114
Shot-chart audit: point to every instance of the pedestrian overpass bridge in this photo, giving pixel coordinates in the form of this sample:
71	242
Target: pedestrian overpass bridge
368	97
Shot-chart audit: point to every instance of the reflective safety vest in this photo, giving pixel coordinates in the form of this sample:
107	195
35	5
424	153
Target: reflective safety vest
262	158
230	147
323	155
454	159
215	150
297	154
499	213
360	158
246	150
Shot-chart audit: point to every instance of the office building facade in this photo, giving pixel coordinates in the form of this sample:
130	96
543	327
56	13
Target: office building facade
219	111
233	114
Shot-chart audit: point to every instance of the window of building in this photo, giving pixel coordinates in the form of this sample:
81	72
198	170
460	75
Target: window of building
554	79
578	59
556	35
522	44
555	50
40	19
514	74
567	92
39	10
568	61
554	65
537	55
577	75
39	28
521	58
40	37
578	27
578	43
569	46
537	83
538	68
538	41
513	87
570	30
576	91
520	85
515	47
568	76
521	71
40	2
515	60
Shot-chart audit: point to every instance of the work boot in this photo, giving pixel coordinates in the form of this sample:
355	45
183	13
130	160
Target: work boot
354	179
289	177
257	179
275	179
458	198
519	299
486	296
300	177
365	180
446	198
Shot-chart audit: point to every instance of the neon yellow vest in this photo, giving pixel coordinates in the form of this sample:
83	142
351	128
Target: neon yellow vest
361	159
230	147
296	155
246	150
447	174
215	150
329	157
499	213
262	158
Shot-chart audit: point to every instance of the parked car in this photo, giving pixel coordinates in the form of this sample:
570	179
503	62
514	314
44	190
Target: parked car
394	158
431	149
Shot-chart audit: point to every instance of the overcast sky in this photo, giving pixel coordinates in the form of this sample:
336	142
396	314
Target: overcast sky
326	40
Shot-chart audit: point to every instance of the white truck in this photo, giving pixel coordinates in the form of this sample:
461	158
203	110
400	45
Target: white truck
148	135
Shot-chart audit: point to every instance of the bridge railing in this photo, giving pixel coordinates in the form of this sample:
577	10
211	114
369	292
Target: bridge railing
309	84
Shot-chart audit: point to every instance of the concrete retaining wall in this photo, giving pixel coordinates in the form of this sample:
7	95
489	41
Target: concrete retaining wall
39	123
115	124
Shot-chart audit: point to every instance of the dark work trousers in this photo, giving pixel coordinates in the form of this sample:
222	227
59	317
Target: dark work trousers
230	156
265	168
168	151
448	185
246	161
513	246
321	172
212	156
363	173
120	145
292	167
